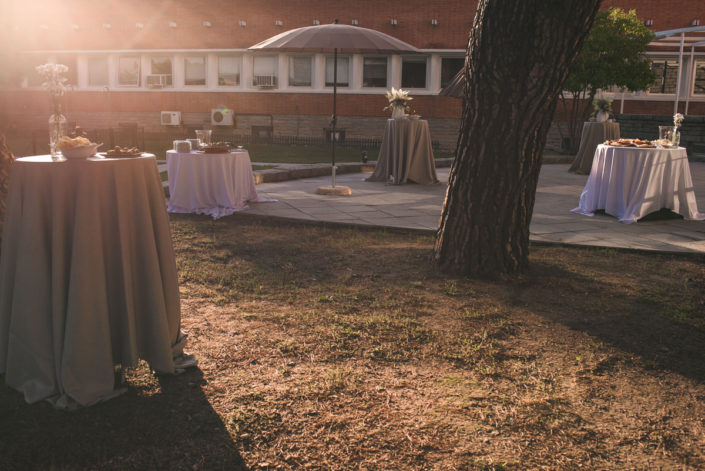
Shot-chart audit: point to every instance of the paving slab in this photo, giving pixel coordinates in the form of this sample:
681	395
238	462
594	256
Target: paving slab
418	207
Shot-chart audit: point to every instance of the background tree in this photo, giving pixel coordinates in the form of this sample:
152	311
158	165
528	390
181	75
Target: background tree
518	57
613	55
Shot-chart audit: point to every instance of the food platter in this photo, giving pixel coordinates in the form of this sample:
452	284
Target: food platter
216	149
76	148
637	143
119	152
118	156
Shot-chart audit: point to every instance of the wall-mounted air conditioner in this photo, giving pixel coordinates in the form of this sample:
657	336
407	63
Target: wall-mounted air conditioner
222	117
264	81
158	80
171	118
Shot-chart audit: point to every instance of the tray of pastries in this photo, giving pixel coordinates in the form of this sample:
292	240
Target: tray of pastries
77	147
630	143
118	151
217	148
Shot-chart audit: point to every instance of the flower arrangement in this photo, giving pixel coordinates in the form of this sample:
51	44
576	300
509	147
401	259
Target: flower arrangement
398	99
55	84
54	80
603	104
602	109
677	121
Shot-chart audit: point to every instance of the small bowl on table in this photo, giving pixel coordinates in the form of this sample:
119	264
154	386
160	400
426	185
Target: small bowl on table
82	152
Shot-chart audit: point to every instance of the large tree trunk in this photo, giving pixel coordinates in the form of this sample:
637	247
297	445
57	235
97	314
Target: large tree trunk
6	162
518	57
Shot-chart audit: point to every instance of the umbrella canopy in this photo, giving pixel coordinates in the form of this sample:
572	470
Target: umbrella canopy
335	38
456	86
326	38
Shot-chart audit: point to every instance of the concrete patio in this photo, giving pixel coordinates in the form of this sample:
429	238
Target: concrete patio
418	207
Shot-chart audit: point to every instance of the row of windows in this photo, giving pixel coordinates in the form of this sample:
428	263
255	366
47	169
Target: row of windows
666	71
160	71
667	76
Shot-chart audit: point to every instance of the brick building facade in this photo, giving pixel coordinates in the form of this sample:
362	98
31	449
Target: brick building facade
131	60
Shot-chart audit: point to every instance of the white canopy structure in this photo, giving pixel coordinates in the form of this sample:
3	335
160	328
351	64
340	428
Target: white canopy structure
694	37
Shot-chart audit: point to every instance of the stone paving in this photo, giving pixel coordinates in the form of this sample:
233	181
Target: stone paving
418	207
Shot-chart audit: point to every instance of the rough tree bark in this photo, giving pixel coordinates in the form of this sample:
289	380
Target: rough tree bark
519	54
7	159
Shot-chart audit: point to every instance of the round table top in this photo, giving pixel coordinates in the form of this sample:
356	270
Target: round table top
95	158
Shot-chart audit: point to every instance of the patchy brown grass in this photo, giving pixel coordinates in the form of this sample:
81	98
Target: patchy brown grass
339	348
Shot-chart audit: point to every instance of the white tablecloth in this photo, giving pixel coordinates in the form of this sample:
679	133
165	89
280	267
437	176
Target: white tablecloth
213	184
87	277
630	182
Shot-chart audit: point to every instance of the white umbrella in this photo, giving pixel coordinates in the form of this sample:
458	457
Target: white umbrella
335	38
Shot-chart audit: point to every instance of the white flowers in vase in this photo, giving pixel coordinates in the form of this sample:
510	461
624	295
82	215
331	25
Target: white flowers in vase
677	121
398	101
55	84
603	109
54	80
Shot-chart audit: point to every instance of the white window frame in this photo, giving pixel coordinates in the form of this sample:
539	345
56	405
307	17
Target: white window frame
152	72
290	62
139	71
257	83
427	78
440	66
696	60
669	58
325	71
205	70
88	70
238	61
388	72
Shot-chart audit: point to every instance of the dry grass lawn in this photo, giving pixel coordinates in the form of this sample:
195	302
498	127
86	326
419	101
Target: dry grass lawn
334	348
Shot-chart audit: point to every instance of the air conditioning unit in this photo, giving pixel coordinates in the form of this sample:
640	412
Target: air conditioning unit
158	80
222	117
264	81
171	118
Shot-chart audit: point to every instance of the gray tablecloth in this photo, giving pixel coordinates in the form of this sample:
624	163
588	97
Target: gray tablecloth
87	277
594	134
406	153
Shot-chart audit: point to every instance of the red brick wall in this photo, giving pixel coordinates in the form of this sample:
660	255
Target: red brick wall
666	14
241	102
413	22
20	21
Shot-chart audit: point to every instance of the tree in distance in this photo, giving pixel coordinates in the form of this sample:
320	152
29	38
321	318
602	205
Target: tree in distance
612	56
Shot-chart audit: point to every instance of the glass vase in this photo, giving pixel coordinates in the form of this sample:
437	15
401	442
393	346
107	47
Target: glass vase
57	129
667	136
397	112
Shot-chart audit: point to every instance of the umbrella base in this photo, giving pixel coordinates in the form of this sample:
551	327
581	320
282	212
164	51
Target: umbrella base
334	190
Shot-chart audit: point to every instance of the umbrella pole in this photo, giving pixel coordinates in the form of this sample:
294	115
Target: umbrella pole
333	190
334	119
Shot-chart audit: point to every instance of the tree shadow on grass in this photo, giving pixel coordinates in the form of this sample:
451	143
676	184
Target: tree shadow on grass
162	422
643	323
637	323
590	297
